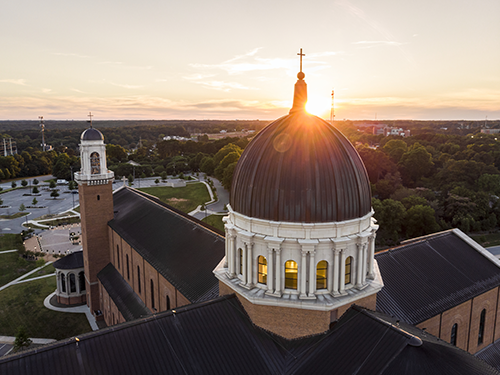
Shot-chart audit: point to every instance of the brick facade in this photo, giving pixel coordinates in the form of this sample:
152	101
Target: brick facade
467	316
96	209
290	322
144	279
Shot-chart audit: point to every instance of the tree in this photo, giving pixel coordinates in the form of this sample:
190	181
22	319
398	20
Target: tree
72	185
163	176
130	179
35	182
35	190
13	184
415	163
54	194
420	220
52	184
227	177
207	165
230	158
390	215
22	340
34	202
157	181
395	148
24	183
22	207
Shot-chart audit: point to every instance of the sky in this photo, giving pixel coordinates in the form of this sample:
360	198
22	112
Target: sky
234	59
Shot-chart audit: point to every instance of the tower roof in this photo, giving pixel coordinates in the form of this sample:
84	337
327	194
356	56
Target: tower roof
92	134
301	169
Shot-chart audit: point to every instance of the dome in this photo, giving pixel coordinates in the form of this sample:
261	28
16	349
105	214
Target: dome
301	169
92	134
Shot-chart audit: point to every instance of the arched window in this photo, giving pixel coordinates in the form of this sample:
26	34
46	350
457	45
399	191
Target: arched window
240	251
118	255
63	282
95	163
348	263
482	320
262	277
453	336
152	294
168	302
72	283
81	280
139	278
321	272
128	270
291	272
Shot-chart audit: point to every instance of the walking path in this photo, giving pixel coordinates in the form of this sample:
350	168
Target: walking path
18	280
82	309
8	251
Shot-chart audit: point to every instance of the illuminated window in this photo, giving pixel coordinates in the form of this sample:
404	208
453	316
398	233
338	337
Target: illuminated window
291	272
321	271
95	163
262	270
453	337
348	263
482	320
241	261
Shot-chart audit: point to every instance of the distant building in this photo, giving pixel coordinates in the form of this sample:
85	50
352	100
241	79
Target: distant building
490	131
8	147
396	131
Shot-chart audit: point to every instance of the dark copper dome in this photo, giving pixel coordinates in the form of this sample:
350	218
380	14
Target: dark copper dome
92	134
301	169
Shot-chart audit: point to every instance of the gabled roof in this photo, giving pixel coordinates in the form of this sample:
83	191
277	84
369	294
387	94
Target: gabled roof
429	275
491	354
126	300
70	261
217	337
181	248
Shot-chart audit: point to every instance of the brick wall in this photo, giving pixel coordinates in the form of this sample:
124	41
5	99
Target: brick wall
96	209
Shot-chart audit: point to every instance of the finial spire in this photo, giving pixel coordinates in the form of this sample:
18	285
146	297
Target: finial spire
90	115
300	92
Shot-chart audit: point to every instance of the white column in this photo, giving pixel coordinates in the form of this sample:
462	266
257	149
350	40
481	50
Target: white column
359	265
336	271
371	256
279	271
226	248
231	252
363	275
77	284
245	267
342	271
312	273
270	269
303	274
250	265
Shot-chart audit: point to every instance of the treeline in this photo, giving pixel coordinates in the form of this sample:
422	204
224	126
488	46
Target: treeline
430	182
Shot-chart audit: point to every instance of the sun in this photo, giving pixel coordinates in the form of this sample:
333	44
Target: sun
319	107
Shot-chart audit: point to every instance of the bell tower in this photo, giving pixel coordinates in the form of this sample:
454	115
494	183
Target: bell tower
96	209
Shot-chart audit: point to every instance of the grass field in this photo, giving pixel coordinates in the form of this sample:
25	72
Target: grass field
215	221
487	239
185	198
14	216
22	305
12	266
44	271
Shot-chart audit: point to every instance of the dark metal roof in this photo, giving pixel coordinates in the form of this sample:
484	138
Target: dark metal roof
491	354
92	134
70	261
428	276
126	300
181	248
301	169
217	337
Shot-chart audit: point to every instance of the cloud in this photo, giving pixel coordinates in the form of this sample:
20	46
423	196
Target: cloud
374	43
21	82
126	86
72	55
46	91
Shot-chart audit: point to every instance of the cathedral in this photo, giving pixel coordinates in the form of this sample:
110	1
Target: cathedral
292	286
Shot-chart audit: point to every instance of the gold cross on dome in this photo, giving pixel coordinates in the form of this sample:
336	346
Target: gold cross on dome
301	54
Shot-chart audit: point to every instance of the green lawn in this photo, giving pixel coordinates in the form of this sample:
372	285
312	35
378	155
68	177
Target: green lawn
185	198
487	239
12	266
44	271
14	216
215	221
22	305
